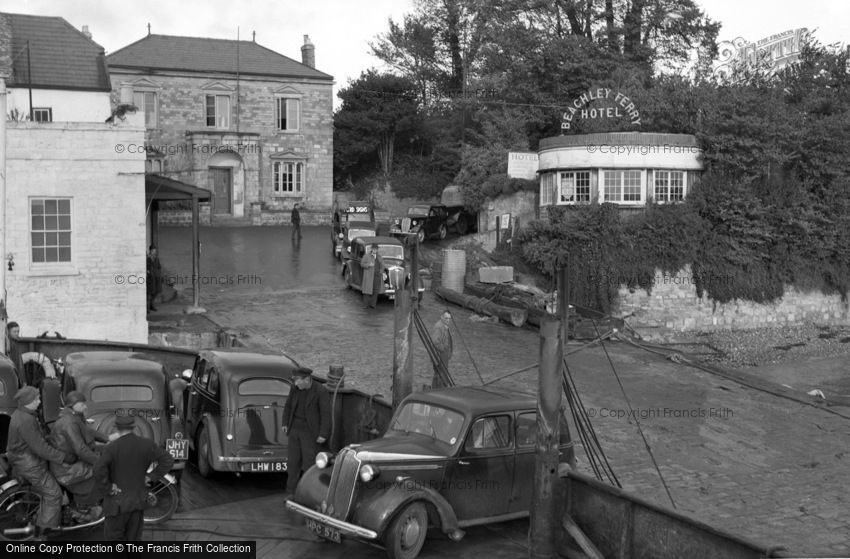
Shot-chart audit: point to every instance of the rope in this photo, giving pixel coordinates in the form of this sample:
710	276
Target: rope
480	378
637	421
440	367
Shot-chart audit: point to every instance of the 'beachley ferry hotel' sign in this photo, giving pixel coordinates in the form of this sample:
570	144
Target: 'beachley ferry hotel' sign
579	108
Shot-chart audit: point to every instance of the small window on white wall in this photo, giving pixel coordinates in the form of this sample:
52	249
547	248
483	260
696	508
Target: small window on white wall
50	230
622	186
574	187
669	186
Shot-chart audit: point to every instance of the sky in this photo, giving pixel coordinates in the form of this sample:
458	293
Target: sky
341	30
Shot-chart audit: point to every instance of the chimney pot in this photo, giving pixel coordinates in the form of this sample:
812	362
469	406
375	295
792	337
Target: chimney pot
86	31
308	53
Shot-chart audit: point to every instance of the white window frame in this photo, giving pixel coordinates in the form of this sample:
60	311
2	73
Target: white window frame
45	230
547	189
292	105
573	196
279	170
220	100
44	110
666	175
153	121
603	179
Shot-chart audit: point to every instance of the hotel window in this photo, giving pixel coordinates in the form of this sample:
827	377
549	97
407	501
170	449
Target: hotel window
623	186
288	113
218	111
50	230
669	186
42	114
547	189
288	177
145	101
574	187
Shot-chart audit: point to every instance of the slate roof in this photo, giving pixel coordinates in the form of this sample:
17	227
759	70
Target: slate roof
196	54
62	57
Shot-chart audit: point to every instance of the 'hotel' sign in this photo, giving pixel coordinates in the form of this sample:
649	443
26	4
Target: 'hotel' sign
623	106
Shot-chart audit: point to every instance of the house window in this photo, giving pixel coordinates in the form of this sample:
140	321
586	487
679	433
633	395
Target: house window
50	230
218	111
156	165
42	114
288	113
146	102
623	187
669	186
547	189
574	187
288	177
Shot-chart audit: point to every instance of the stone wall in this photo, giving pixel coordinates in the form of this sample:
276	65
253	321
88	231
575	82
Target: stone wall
673	307
100	293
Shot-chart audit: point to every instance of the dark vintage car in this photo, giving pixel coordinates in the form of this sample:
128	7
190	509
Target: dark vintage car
451	458
234	411
9	384
392	253
118	383
436	220
350	231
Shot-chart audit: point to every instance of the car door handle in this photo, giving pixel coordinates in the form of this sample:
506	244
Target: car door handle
463	462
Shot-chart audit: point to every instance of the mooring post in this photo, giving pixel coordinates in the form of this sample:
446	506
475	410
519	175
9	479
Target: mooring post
564	301
544	521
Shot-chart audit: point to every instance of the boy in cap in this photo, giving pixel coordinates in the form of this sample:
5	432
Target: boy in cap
29	453
72	435
121	472
306	422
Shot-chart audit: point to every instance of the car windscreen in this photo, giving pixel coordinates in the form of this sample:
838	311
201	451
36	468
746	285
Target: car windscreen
263	387
417	211
427	419
354	233
391	251
121	393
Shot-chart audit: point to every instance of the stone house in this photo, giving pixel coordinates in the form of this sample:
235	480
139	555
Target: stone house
73	244
252	126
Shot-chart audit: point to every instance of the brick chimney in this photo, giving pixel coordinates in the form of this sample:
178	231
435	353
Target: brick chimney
86	31
308	53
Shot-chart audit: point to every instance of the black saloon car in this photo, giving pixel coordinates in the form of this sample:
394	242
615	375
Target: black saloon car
451	458
392	253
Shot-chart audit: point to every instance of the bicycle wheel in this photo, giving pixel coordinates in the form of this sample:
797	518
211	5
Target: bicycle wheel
162	502
18	511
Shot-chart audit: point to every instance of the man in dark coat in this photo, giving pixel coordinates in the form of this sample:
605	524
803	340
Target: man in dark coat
72	435
295	218
307	424
121	471
153	279
29	452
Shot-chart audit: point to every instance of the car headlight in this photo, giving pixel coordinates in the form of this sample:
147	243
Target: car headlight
341	236
369	472
322	460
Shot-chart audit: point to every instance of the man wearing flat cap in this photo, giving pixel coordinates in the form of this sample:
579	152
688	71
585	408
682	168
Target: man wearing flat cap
121	472
306	422
29	453
72	435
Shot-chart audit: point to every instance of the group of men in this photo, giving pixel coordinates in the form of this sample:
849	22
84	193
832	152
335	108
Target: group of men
69	455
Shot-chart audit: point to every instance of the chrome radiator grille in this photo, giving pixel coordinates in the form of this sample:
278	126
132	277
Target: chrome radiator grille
405	224
343	483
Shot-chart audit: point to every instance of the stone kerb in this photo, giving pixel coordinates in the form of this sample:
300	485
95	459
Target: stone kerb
673	306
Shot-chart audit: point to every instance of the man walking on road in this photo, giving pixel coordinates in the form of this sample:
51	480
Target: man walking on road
307	424
121	472
442	338
295	218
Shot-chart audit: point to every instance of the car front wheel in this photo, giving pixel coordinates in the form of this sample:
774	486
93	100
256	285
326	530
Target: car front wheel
406	534
443	232
347	273
421	235
204	467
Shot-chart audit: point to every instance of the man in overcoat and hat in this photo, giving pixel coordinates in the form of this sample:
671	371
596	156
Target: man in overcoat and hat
306	422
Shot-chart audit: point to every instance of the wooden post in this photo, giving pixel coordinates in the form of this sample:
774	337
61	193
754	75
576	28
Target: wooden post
564	301
403	339
196	260
414	267
544	521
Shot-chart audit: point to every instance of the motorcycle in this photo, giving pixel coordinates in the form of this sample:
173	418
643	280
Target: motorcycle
19	504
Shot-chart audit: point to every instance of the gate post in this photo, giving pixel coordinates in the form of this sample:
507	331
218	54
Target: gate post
544	521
